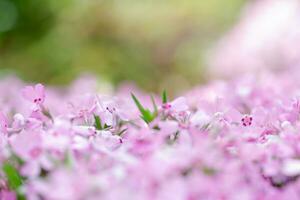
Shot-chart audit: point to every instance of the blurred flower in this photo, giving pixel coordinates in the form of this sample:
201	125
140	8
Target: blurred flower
266	38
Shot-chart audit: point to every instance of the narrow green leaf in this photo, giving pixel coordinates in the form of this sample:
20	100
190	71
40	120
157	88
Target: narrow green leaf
106	126
146	114
98	124
137	103
13	177
164	97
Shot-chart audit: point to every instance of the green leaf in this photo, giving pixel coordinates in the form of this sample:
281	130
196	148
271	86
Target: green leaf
13	177
21	197
146	114
137	103
164	97
98	124
106	126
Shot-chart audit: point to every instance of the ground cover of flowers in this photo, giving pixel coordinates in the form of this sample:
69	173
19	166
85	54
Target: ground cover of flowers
228	140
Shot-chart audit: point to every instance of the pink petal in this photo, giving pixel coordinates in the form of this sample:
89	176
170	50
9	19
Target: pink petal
28	93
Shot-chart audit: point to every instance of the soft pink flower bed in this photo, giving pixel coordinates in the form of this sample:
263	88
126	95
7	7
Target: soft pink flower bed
234	140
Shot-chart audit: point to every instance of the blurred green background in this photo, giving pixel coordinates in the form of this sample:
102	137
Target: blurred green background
154	43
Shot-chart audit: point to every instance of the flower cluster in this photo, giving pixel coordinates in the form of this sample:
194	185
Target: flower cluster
224	141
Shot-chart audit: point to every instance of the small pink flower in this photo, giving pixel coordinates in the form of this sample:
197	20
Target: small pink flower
34	94
179	104
27	145
247	120
176	108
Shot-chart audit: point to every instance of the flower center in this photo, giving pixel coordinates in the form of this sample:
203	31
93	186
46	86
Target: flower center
37	100
247	120
166	106
35	152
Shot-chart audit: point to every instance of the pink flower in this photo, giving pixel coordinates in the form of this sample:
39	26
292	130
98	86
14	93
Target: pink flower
178	105
106	140
82	107
247	120
34	94
27	144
